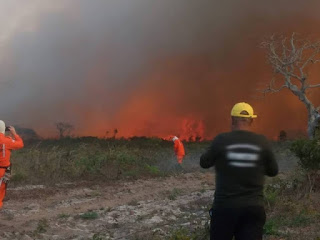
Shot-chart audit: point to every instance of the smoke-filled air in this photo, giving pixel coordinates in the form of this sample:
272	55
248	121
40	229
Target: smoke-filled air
145	68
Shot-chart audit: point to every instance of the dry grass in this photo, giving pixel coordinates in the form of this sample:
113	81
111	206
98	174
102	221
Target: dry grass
292	210
73	159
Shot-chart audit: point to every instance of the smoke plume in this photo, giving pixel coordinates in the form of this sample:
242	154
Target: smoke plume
151	68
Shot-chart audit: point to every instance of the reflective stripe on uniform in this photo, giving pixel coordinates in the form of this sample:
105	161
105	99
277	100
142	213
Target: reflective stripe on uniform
3	150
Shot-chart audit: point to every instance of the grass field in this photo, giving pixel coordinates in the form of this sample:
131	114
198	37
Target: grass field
89	158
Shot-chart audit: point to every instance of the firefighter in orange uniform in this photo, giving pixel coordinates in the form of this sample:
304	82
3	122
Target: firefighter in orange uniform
7	144
178	149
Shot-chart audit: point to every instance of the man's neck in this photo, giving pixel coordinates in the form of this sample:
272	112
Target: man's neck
241	128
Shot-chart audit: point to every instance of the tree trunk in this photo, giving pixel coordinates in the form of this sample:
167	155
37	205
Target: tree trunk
313	115
313	121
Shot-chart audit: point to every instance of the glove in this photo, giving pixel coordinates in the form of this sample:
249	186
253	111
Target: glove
6	177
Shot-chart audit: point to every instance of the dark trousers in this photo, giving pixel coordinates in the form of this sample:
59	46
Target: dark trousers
242	223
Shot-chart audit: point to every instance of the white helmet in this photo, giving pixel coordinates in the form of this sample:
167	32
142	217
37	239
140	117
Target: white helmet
2	127
175	138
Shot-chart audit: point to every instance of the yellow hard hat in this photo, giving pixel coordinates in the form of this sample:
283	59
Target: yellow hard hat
242	110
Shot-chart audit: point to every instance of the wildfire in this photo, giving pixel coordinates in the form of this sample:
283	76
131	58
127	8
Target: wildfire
189	130
192	130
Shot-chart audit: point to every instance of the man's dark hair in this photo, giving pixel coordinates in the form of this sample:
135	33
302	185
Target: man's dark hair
237	120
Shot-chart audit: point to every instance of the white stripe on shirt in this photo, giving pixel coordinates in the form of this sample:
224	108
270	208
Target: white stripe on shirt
244	146
242	156
242	164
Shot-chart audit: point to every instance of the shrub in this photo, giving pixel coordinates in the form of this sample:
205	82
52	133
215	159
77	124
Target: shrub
42	226
153	170
174	194
270	227
301	219
271	194
89	215
308	152
180	234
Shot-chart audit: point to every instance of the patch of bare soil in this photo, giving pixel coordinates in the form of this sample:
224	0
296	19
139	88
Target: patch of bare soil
123	210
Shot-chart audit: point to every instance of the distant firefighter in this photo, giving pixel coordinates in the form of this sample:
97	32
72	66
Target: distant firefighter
178	149
282	136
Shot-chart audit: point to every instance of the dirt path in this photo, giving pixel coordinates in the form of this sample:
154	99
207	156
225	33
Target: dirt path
122	210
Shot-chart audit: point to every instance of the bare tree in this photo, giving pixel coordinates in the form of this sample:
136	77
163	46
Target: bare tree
64	128
290	59
115	132
107	134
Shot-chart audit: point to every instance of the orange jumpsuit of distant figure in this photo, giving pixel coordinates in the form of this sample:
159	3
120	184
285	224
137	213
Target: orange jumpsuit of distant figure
178	149
6	145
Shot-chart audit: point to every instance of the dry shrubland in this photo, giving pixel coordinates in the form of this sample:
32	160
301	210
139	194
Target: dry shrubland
292	198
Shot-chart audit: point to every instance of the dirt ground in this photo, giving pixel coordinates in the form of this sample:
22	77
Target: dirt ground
141	209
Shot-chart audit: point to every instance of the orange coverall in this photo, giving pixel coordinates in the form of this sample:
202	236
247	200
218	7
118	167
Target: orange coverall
179	150
6	145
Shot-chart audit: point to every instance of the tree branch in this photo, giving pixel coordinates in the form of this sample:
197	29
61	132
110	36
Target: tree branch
273	90
279	89
291	74
311	58
313	86
292	43
302	73
284	48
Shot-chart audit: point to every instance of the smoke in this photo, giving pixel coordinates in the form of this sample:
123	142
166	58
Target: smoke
144	67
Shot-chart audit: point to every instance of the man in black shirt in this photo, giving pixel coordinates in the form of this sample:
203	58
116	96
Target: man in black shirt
241	159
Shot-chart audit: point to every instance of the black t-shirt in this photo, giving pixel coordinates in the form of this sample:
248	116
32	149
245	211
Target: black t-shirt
241	160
